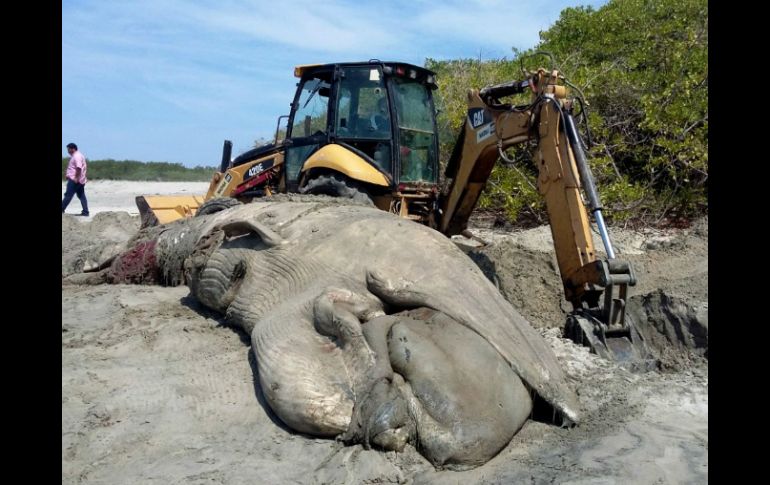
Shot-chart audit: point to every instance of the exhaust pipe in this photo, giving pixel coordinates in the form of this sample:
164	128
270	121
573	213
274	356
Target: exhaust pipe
227	151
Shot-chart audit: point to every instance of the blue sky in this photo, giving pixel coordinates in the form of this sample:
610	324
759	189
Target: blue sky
170	80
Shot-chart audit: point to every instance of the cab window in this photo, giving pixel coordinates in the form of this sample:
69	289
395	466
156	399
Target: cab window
312	108
363	111
416	132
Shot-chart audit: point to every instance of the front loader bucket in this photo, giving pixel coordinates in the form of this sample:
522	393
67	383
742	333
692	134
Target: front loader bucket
162	209
624	346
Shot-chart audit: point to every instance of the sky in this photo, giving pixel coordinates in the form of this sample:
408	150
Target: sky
170	80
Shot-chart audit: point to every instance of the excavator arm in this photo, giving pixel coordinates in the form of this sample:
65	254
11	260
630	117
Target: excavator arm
564	177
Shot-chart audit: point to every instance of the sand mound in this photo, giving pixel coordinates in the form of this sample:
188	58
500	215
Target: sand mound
669	302
675	332
86	245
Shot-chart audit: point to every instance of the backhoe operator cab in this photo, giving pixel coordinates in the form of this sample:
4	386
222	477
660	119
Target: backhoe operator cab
359	130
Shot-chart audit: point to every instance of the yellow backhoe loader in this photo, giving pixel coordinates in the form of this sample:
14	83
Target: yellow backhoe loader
368	130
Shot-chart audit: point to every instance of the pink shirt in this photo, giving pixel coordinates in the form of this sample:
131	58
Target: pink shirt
77	160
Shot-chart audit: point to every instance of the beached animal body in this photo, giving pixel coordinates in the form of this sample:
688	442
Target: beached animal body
365	326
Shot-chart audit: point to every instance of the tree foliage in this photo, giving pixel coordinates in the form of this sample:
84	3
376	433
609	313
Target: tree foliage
151	171
643	68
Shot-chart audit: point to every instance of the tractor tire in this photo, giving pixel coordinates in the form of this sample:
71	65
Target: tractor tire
218	204
337	185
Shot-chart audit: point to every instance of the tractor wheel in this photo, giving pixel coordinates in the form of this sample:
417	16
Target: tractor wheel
337	185
215	205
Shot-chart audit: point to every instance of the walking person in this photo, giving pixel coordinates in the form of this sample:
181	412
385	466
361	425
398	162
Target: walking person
76	179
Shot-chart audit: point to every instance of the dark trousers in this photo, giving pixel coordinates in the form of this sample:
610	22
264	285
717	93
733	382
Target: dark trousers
72	189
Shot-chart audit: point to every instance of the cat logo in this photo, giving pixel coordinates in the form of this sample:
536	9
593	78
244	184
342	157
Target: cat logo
254	170
478	117
481	120
223	185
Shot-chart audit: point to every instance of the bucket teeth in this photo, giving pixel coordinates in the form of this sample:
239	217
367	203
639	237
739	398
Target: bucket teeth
624	345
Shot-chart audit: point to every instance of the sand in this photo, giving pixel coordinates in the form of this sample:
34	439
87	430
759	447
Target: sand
117	196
